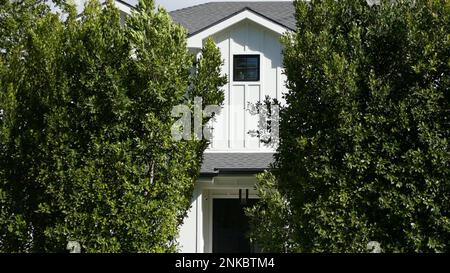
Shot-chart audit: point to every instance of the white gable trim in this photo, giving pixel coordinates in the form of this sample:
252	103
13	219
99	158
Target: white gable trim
196	41
123	6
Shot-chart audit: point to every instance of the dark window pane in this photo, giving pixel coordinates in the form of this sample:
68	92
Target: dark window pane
240	74
241	62
246	67
252	74
252	62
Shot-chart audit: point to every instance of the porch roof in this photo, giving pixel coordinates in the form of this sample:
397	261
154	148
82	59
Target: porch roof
234	163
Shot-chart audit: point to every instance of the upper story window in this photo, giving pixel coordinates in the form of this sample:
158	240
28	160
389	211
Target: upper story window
246	68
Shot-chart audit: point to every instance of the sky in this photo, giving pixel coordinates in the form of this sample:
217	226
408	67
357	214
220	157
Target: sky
178	4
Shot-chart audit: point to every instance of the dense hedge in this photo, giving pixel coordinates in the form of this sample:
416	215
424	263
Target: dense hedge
364	139
86	152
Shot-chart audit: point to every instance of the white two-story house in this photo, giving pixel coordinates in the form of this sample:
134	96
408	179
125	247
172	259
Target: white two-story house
248	35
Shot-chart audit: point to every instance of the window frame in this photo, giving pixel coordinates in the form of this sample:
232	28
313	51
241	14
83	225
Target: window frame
236	68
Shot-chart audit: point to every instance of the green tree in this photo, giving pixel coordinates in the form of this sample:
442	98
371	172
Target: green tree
364	139
87	152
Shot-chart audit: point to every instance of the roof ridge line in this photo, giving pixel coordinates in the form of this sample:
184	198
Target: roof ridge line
217	2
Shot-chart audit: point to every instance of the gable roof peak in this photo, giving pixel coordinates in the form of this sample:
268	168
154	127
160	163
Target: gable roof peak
203	16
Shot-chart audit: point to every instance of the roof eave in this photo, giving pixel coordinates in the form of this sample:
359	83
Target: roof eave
234	171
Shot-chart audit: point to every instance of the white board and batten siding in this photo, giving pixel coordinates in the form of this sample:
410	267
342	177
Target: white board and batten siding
233	124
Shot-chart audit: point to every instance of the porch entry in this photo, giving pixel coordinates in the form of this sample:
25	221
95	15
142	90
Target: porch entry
231	226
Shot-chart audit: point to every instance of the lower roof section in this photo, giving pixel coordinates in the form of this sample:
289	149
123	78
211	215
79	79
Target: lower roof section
235	163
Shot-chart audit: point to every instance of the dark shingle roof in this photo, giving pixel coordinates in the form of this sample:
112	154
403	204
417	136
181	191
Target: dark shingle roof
200	17
213	163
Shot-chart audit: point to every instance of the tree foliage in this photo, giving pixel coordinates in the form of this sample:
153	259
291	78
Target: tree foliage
86	148
364	139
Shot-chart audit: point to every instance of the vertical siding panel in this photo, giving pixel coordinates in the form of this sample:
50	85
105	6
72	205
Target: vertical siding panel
237	116
220	139
252	96
273	59
239	38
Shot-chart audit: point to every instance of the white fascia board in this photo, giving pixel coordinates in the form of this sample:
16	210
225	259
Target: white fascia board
123	7
196	41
